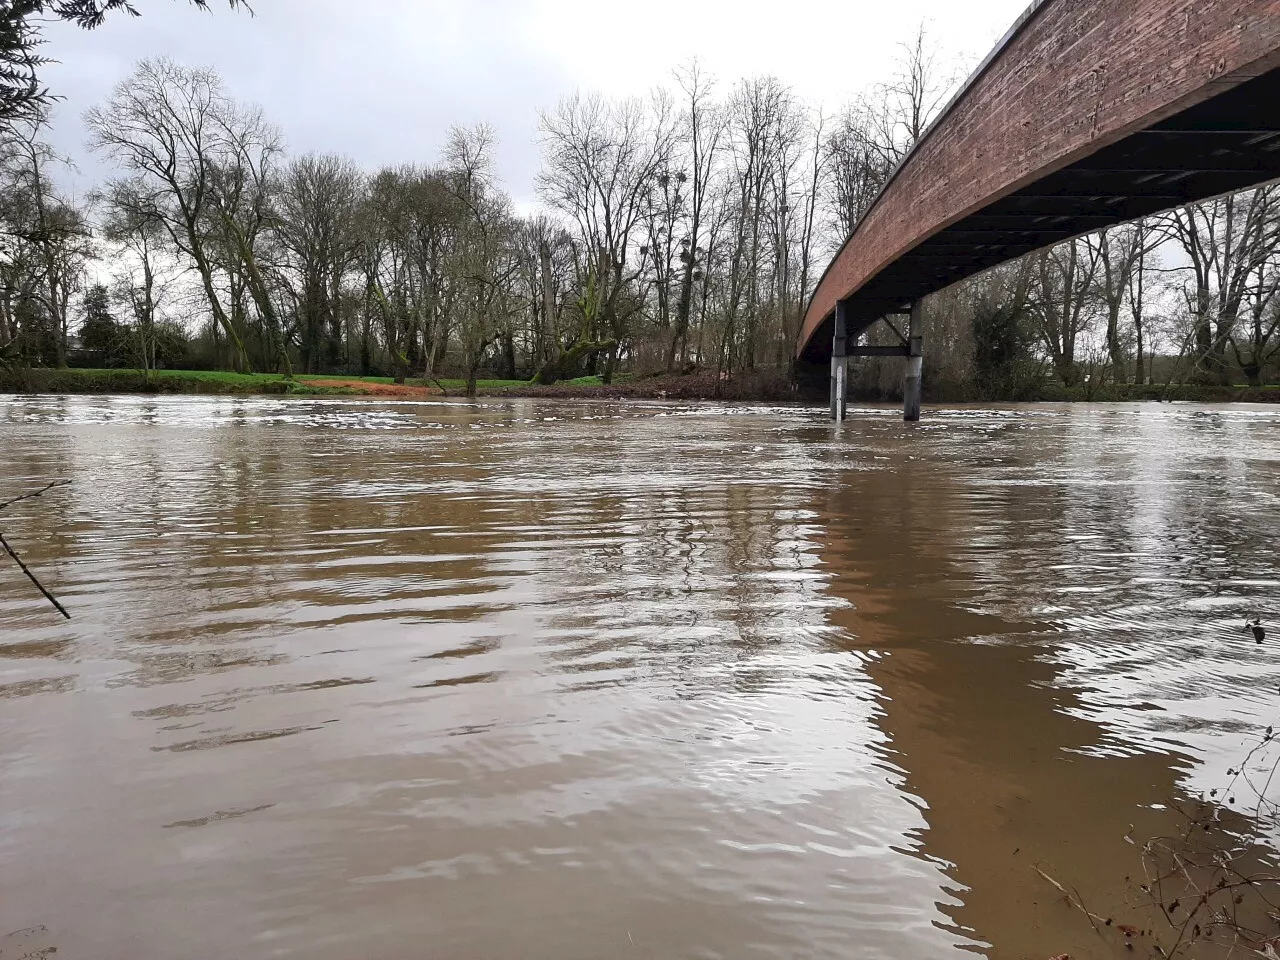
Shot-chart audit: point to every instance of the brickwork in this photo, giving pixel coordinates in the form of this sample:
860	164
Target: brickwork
1080	75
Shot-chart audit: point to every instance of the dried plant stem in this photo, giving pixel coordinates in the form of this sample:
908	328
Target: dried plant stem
1076	901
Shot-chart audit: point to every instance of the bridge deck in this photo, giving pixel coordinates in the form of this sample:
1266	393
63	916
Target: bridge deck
1022	159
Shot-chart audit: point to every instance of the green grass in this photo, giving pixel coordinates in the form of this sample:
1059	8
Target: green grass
42	380
218	382
83	380
199	376
452	384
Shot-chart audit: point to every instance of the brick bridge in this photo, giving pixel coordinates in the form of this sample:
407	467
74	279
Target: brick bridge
1087	114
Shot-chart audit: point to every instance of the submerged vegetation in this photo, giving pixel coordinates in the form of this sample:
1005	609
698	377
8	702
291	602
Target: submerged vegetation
1210	887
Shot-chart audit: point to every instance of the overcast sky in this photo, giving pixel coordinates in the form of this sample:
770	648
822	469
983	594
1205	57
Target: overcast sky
382	80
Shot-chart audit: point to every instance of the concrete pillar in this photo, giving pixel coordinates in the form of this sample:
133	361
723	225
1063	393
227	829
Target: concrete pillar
915	364
842	388
840	364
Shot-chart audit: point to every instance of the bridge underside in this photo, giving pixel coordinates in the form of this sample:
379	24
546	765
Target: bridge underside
1220	145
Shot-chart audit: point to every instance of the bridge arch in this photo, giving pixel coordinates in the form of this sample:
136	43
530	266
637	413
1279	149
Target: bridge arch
1087	114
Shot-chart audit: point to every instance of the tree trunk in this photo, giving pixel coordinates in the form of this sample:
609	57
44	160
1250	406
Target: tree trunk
472	374
262	299
1114	347
509	355
1138	375
610	364
553	371
548	301
681	330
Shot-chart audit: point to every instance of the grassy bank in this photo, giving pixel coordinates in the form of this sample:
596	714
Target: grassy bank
764	387
208	382
39	380
42	380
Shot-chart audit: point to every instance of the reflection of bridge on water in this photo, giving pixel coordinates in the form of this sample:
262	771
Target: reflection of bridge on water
1089	113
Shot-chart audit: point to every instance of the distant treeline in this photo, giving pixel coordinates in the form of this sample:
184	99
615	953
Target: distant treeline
680	233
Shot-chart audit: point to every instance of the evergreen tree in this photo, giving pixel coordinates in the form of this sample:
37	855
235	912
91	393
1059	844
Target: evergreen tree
100	334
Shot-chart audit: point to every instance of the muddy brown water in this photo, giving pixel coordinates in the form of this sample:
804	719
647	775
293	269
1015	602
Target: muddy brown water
560	680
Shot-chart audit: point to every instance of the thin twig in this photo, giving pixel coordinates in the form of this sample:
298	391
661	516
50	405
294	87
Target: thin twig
1076	901
37	493
32	577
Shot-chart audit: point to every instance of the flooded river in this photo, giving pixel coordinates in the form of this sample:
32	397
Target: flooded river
548	680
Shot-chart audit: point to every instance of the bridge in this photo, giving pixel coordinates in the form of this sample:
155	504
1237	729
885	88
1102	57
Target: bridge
1088	113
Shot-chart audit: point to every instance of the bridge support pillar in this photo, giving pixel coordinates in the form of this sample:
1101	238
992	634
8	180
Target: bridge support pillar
915	365
840	365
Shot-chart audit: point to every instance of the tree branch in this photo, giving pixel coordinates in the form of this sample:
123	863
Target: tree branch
14	554
38	493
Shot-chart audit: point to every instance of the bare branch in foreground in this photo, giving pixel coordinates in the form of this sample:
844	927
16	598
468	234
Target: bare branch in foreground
38	493
14	554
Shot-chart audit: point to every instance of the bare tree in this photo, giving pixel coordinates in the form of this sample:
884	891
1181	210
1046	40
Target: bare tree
390	282
315	219
760	121
177	132
544	252
1122	254
1062	301
857	168
807	201
1255	343
1228	243
1149	235
902	109
702	127
483	260
50	240
601	160
240	192
130	222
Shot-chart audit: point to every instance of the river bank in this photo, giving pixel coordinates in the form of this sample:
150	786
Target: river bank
762	387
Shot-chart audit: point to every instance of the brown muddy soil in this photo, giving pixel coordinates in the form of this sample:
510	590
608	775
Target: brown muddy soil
704	386
371	389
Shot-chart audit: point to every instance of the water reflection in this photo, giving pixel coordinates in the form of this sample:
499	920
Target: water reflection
1047	680
563	680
